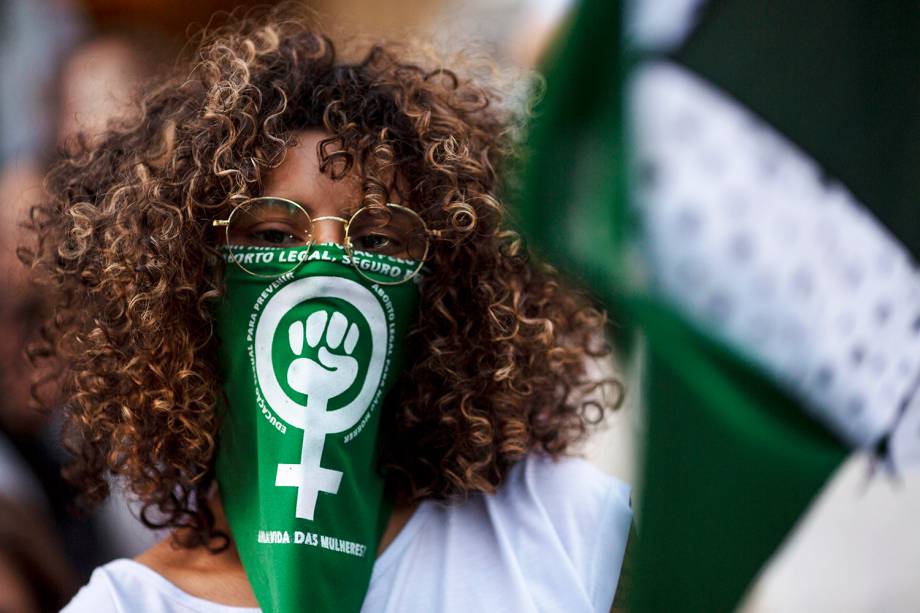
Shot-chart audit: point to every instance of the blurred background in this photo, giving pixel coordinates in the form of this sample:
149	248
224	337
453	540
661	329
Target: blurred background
67	67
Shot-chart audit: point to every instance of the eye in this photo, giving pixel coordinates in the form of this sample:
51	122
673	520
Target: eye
374	242
274	235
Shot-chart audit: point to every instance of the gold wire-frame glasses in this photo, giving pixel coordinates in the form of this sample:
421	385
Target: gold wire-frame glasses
270	221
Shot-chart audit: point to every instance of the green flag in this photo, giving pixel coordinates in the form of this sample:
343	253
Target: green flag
763	244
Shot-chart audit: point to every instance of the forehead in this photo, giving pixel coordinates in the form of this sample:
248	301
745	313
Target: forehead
298	178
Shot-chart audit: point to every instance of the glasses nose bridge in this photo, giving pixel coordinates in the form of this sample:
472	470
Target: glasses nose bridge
328	233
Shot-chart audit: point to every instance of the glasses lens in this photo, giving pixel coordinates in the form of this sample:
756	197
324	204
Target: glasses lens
266	222
269	222
391	231
388	231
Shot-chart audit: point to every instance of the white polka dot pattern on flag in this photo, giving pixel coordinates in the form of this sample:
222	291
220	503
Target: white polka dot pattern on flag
750	240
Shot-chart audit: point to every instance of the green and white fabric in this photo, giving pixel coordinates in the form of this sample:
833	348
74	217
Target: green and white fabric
307	361
744	232
739	181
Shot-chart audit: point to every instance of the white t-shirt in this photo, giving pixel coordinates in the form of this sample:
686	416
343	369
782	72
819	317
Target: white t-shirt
551	539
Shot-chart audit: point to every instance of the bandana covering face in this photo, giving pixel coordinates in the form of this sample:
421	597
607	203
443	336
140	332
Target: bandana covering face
307	361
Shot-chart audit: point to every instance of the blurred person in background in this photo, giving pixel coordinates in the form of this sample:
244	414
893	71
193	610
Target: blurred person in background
60	79
159	237
34	576
34	37
96	85
100	77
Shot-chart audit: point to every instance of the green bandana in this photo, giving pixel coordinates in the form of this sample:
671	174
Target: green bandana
307	360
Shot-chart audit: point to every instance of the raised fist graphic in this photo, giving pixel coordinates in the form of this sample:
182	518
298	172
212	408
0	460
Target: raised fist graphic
336	369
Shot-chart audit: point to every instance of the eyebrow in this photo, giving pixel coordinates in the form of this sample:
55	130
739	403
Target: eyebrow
345	212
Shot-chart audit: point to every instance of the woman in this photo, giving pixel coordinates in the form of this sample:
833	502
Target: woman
293	323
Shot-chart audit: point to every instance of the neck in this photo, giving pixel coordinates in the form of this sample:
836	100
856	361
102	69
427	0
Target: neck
217	577
220	577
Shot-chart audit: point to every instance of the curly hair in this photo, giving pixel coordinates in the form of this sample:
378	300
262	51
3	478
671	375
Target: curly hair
125	246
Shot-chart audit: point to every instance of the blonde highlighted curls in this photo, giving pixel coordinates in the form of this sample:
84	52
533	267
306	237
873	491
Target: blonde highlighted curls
124	245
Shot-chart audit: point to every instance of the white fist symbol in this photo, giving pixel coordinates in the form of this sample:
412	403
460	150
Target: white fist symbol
335	372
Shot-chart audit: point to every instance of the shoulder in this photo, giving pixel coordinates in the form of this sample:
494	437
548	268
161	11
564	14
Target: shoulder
97	596
551	538
569	489
579	518
588	511
125	586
